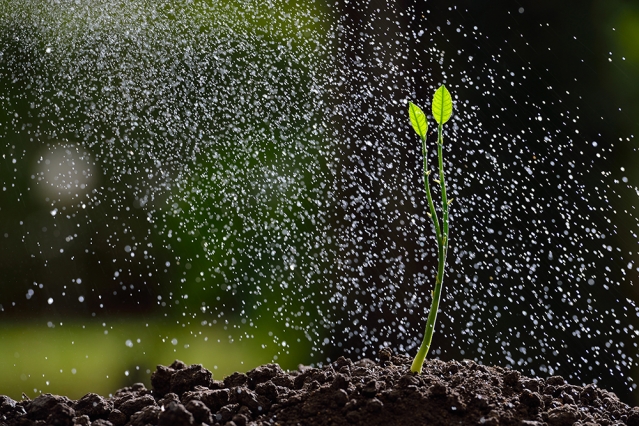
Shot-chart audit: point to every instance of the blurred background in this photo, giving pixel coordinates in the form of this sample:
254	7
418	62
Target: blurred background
202	181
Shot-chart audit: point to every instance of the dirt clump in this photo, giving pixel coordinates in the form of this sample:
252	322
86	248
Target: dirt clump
341	393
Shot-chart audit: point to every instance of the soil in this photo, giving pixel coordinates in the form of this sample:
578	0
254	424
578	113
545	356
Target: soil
341	393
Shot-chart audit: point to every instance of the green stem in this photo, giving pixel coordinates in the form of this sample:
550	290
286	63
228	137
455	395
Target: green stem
418	362
431	205
442	183
442	249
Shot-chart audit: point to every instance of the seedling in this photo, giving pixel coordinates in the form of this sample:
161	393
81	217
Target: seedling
442	110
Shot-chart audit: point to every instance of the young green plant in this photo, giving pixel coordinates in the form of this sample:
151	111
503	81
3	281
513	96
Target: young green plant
442	110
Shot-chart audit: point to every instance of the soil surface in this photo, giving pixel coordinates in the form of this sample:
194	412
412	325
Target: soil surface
342	393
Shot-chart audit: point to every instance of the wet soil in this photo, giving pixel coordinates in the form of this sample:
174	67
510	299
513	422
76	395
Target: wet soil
341	393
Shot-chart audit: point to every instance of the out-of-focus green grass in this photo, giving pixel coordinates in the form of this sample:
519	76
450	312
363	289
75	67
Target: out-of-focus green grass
76	358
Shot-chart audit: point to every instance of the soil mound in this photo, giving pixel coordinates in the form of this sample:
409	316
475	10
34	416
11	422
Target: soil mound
341	393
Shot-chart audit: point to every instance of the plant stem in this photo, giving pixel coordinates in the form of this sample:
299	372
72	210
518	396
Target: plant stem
431	205
442	183
442	250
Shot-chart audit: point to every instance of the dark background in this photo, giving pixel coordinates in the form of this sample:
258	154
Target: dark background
559	54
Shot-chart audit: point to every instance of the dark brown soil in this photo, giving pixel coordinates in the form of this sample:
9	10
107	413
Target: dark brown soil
342	393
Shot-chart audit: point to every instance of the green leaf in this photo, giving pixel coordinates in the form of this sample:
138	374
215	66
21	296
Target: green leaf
442	105
418	120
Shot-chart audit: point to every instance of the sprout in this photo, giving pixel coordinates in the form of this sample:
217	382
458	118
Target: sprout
442	111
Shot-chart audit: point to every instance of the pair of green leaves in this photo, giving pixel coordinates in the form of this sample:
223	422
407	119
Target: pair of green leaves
442	111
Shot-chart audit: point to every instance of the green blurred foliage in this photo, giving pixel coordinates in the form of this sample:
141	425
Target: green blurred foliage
618	31
143	189
194	121
75	358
